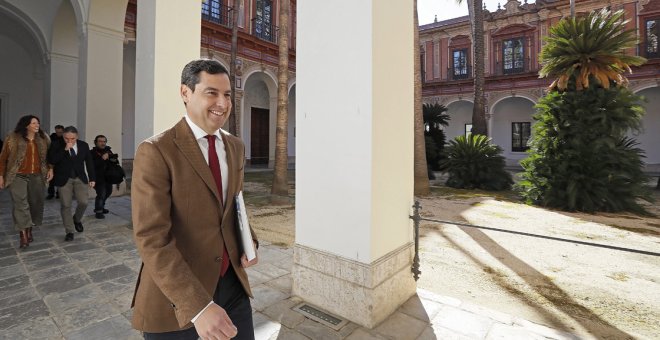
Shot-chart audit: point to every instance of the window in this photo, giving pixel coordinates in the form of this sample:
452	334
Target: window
263	20
460	64
652	33
212	11
513	55
468	130
520	133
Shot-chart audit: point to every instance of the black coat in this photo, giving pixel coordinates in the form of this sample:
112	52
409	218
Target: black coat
100	165
63	163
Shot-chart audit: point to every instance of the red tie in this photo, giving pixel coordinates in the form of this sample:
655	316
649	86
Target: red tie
214	164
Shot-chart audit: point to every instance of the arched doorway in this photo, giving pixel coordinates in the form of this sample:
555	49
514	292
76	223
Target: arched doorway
649	138
258	119
460	119
511	125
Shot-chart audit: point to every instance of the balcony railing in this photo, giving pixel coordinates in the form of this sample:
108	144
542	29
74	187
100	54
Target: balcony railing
643	50
222	15
459	73
263	30
500	70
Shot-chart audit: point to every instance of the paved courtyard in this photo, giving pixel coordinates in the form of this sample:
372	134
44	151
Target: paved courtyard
83	290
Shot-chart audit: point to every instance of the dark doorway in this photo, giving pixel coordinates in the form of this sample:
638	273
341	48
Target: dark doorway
259	137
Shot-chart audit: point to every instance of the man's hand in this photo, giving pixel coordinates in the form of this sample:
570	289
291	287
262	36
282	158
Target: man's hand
244	261
2	182
49	175
68	146
214	323
105	157
92	184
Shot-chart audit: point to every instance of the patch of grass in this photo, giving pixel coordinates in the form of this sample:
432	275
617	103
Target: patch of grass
641	230
453	193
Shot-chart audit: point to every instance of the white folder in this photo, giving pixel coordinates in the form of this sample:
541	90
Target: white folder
244	228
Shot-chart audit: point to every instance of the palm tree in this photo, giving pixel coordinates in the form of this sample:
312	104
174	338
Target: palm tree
232	65
580	156
280	185
592	49
422	187
477	25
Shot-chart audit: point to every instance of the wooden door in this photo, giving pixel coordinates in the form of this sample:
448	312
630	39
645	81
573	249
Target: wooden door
259	136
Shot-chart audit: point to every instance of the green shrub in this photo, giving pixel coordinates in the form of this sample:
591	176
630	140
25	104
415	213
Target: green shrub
579	157
475	163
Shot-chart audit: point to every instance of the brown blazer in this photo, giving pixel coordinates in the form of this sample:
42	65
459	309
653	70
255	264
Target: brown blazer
179	228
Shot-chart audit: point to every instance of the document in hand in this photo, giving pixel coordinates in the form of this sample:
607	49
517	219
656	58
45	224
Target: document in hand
244	228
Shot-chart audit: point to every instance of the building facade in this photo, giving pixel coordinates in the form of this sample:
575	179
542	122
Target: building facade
513	40
73	62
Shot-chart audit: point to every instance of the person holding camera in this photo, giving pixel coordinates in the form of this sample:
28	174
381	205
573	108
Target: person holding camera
103	160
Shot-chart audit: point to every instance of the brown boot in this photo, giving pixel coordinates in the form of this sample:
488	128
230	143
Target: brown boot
24	239
29	234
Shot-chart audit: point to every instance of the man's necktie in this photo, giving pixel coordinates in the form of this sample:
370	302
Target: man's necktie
214	164
72	152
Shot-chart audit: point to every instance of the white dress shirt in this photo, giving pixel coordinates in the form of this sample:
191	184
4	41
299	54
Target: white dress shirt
200	136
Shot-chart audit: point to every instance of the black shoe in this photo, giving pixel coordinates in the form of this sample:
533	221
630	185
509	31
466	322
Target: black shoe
50	197
79	227
100	215
105	211
68	237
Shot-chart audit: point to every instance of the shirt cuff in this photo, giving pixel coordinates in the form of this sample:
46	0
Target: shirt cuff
200	313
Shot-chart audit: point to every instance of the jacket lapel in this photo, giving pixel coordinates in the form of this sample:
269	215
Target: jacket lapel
187	144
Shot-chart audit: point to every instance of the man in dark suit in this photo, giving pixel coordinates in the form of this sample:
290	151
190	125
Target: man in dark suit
70	157
192	281
55	137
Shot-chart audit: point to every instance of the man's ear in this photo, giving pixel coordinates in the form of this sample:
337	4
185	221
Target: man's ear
185	92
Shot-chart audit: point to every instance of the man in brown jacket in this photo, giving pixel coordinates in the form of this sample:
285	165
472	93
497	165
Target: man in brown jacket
192	281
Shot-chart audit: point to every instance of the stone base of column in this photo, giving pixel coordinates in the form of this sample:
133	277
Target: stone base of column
363	293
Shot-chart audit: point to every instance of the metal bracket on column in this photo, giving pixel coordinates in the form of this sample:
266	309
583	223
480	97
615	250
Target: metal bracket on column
416	218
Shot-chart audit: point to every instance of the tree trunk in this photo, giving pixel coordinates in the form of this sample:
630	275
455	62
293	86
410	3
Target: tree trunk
233	118
479	126
421	168
280	185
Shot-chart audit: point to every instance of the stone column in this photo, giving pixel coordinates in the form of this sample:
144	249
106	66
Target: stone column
168	37
100	101
354	180
63	90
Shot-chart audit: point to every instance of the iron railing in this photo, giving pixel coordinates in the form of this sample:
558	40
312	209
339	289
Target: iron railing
264	30
459	73
218	14
417	218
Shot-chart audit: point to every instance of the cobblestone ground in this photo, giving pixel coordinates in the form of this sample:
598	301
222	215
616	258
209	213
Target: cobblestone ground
83	290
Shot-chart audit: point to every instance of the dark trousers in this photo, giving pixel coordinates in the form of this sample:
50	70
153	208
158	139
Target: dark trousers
103	191
51	189
232	298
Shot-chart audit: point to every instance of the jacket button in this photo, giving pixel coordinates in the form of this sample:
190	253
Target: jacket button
218	259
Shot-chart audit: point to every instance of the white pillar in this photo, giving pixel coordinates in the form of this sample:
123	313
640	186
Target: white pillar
354	144
168	37
101	84
63	90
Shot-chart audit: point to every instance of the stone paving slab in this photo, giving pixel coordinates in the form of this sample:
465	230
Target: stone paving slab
83	289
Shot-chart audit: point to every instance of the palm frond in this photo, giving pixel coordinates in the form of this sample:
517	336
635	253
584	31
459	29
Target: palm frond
589	49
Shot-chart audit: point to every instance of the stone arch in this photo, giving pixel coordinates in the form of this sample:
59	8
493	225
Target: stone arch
504	112
259	97
22	65
460	113
648	138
